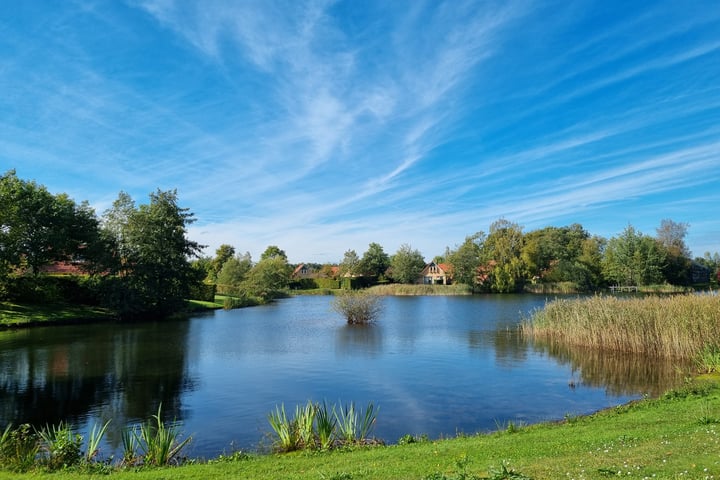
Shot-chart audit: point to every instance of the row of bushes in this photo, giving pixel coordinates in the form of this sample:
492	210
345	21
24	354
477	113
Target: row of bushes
52	289
345	283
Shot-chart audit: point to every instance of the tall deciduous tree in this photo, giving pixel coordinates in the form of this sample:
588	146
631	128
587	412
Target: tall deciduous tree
350	264
671	236
407	264
235	270
502	250
273	251
633	259
224	253
466	259
155	274
269	278
37	227
374	261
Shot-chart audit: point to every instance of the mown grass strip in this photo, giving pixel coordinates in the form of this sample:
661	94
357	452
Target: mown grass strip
13	314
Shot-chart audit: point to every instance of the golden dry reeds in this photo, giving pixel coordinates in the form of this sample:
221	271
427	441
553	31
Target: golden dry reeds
677	326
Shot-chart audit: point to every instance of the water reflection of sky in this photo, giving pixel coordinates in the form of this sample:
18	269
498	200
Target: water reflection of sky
433	365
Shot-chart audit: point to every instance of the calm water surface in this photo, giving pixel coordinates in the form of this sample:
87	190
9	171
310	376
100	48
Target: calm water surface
433	365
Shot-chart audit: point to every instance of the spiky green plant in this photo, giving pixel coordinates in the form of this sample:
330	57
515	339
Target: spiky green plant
160	443
61	446
325	423
355	425
95	437
131	445
285	429
304	421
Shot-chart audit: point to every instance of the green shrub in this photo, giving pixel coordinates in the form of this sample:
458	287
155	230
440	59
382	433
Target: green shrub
60	446
358	307
19	447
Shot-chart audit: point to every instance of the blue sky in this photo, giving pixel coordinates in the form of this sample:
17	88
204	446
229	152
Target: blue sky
322	126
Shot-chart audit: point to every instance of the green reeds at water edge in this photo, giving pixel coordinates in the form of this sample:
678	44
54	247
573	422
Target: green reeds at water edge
59	447
316	425
680	326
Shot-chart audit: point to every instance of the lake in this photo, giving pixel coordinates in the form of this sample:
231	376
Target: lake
438	366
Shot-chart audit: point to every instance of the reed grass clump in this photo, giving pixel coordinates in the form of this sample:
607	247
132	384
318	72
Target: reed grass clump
317	425
678	326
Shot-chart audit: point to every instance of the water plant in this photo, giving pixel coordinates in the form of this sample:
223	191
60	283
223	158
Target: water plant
325	423
304	421
60	445
19	447
708	359
131	445
354	425
358	307
678	326
160	443
285	429
95	437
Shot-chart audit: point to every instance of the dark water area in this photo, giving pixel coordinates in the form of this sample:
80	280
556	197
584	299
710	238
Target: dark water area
433	365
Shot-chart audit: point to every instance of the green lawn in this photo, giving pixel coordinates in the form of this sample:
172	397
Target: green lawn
675	437
12	314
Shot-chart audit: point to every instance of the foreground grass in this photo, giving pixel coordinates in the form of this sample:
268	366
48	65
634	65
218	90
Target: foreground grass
13	314
679	326
675	437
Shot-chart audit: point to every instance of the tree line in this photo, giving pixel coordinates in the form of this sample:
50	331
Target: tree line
136	257
506	259
139	261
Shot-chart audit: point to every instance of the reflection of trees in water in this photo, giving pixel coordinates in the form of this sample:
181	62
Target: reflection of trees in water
620	374
69	373
509	347
359	339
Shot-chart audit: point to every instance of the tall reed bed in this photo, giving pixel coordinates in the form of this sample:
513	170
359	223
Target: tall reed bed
679	326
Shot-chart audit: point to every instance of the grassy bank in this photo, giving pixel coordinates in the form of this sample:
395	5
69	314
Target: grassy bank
407	289
22	315
680	326
674	437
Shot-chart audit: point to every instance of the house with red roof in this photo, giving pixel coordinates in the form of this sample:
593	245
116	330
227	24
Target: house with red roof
436	274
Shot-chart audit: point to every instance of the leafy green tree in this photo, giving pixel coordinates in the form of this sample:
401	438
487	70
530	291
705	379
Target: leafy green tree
671	236
154	270
222	254
501	251
407	264
466	259
374	261
38	228
633	259
235	270
269	278
273	251
350	264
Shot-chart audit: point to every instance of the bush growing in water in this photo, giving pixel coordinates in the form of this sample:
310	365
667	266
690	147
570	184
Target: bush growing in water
358	307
